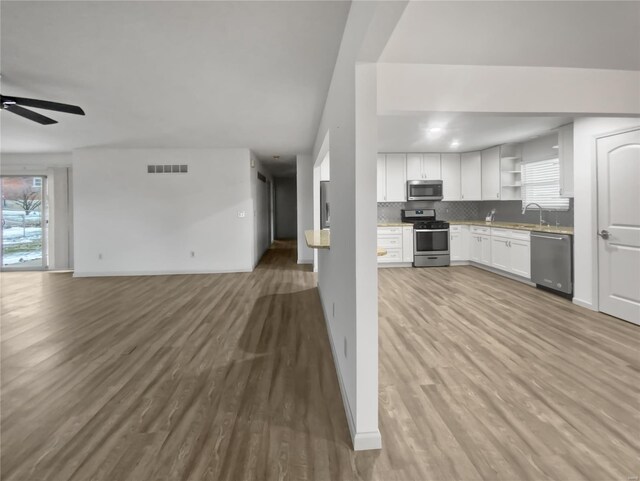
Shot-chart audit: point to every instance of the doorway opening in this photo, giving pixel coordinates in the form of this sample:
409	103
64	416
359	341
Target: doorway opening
24	222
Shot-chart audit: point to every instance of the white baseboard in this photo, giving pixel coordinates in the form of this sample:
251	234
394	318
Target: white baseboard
305	261
367	441
585	304
359	441
154	273
503	273
384	265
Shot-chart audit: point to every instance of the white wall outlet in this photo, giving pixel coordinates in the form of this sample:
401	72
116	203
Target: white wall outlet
345	347
242	214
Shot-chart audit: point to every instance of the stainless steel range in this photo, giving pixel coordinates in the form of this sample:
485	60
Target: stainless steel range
430	238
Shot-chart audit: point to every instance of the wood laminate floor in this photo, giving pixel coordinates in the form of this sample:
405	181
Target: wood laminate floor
230	376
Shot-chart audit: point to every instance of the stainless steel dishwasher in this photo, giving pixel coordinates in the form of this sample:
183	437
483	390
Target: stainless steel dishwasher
552	261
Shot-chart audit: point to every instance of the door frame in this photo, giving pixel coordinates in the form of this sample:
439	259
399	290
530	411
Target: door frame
45	225
596	216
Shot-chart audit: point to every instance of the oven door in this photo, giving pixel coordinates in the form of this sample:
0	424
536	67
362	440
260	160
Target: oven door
430	241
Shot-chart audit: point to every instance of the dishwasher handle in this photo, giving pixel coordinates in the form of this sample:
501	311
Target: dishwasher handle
547	237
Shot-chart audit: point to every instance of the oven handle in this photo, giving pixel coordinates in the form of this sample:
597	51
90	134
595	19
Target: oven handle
430	230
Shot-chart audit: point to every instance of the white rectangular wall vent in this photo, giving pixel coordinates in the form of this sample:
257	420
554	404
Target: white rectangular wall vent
167	169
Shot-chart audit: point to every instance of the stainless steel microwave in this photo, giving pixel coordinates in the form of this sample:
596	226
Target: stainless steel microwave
424	190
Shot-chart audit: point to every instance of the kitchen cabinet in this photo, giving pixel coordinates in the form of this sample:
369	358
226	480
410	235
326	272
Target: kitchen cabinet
490	160
565	155
392	178
450	172
407	244
471	176
511	251
398	242
459	242
423	167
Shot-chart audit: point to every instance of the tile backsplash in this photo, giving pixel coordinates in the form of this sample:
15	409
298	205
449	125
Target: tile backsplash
506	211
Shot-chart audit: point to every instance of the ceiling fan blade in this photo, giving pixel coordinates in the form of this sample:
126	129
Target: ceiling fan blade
28	114
44	104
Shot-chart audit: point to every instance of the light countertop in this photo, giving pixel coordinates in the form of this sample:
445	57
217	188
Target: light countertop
321	239
395	224
516	226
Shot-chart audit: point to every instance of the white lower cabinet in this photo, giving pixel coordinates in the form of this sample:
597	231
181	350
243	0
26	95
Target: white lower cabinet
407	244
511	251
480	245
459	242
398	242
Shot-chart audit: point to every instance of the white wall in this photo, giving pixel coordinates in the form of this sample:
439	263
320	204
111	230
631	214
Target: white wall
57	168
586	131
347	276
304	193
404	88
150	223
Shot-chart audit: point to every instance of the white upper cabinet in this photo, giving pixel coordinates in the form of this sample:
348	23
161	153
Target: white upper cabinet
471	176
565	154
382	177
450	174
431	166
392	184
491	173
414	167
423	167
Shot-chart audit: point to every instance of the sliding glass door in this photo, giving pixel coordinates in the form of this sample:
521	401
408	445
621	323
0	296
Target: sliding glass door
24	225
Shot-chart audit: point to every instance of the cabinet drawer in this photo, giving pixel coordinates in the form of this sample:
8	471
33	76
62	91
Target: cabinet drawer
390	241
476	229
500	232
393	255
521	234
389	230
455	228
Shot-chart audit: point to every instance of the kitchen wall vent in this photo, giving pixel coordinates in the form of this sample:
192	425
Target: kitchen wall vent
167	169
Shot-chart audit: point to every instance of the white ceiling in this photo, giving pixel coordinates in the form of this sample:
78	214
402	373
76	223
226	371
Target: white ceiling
171	74
581	34
473	131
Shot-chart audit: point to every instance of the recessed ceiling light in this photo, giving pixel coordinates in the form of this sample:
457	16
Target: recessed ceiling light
436	130
555	147
276	157
455	143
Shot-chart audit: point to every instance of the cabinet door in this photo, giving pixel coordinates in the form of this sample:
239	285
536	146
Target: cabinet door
382	178
450	172
455	246
475	248
491	173
485	250
414	167
431	166
396	181
407	244
521	258
500	253
471	176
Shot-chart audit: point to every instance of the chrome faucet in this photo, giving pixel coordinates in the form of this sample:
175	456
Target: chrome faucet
524	209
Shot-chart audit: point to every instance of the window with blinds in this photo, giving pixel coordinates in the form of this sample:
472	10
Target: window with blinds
541	184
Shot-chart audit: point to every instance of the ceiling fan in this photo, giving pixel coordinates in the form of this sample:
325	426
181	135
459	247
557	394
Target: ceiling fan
16	105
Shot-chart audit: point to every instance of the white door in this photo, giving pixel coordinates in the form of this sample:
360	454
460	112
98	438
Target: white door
471	176
382	178
500	253
520	257
396	178
491	174
450	170
431	166
619	225
414	167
